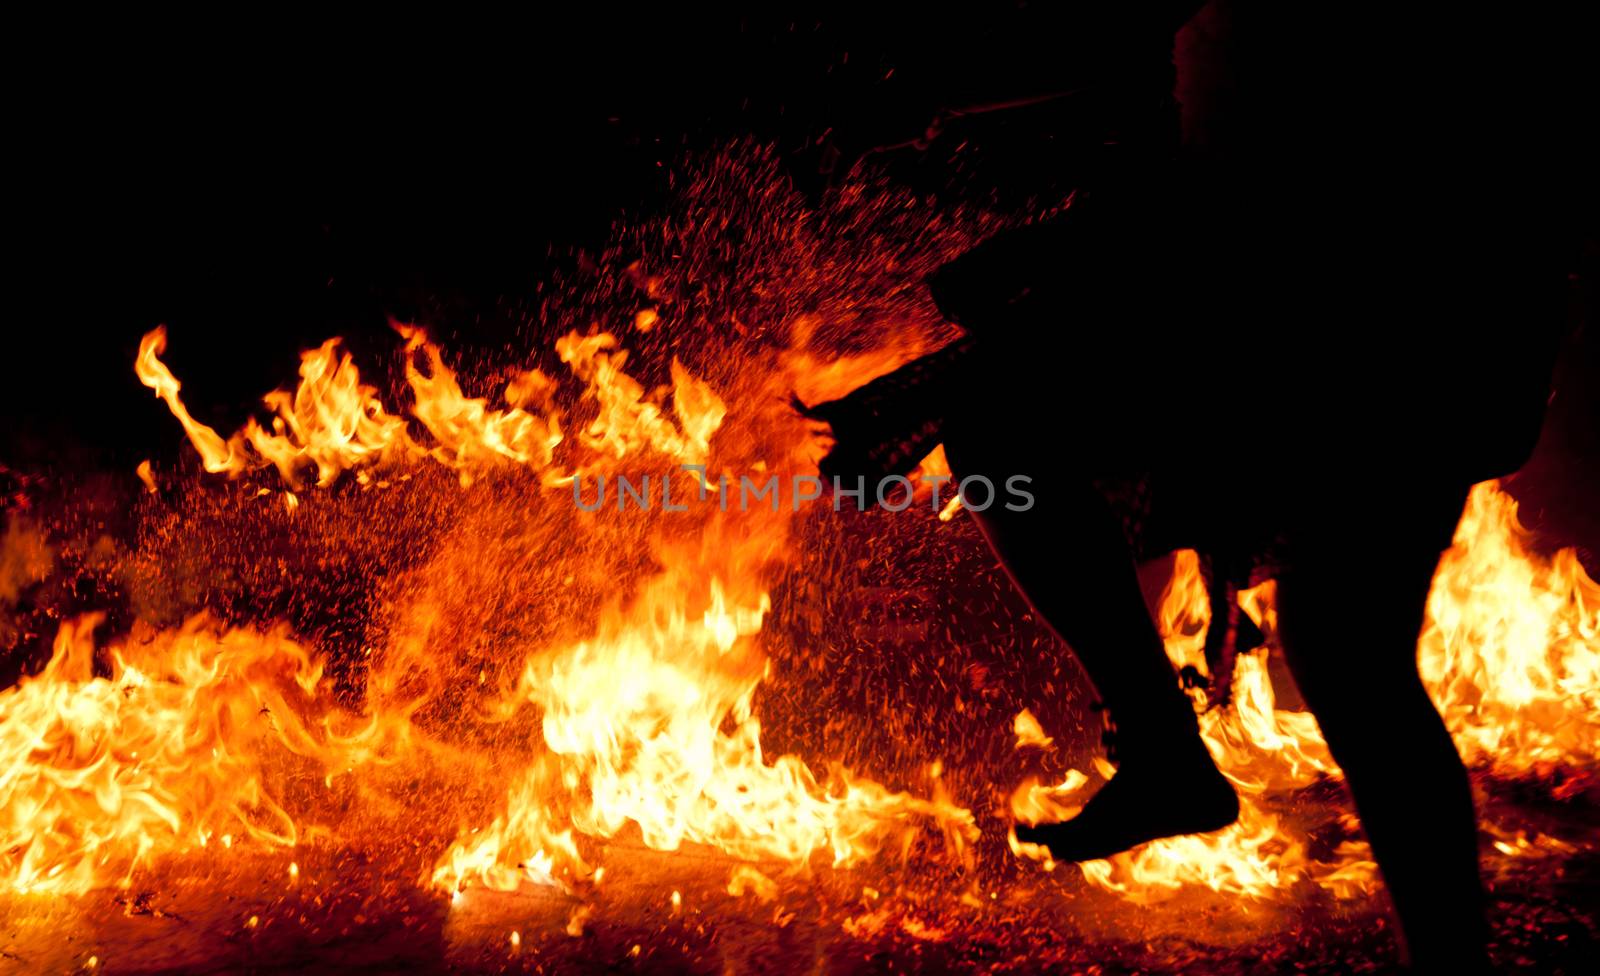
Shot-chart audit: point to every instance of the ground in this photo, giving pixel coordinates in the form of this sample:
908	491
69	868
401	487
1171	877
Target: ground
365	911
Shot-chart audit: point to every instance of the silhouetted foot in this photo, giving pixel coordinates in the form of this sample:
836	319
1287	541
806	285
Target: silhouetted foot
1139	804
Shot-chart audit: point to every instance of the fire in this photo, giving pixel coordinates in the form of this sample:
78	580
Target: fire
1511	649
334	422
653	718
644	719
177	746
632	713
1509	654
467	433
217	455
628	420
647	721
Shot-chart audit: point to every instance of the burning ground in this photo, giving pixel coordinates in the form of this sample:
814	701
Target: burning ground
361	685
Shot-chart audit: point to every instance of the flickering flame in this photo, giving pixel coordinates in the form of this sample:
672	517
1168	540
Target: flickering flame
470	435
334	422
639	719
1509	654
628	419
652	717
647	721
217	455
1029	732
177	745
1511	648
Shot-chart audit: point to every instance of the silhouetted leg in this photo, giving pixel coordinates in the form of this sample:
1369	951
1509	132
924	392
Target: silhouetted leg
1068	557
1350	608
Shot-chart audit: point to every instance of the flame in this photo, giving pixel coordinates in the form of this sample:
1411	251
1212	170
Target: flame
165	753
646	722
331	422
335	423
637	717
1029	732
629	419
1511	648
467	433
643	720
632	716
1509	653
218	456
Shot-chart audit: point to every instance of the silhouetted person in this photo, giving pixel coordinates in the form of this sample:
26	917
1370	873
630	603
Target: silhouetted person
1324	318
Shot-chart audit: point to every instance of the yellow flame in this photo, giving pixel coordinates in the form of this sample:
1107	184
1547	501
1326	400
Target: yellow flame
99	773
644	720
648	720
1511	648
217	455
1510	654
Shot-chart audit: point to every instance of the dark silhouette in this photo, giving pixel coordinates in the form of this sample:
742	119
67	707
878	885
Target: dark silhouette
1315	323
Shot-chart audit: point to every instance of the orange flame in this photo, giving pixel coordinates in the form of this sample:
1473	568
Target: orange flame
165	753
647	721
216	454
1511	648
1510	654
643	719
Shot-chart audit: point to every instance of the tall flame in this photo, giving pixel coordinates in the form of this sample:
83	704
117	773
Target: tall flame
1511	649
645	720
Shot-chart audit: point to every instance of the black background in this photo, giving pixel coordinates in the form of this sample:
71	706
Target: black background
260	186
